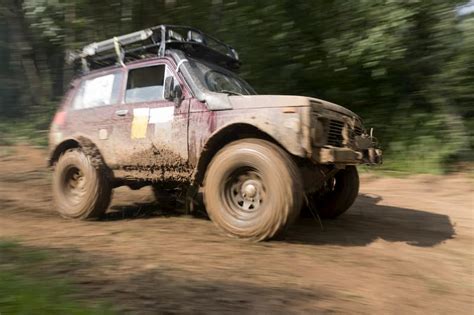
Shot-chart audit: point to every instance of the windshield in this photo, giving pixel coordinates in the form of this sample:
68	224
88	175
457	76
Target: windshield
220	80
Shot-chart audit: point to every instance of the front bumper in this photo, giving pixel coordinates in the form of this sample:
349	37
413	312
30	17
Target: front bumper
332	155
342	139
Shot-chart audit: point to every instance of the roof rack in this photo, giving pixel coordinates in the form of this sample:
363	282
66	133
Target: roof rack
151	42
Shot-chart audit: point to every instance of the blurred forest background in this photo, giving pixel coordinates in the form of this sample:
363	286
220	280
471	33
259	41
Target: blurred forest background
407	67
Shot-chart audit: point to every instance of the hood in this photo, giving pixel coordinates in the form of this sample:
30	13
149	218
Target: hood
269	101
332	107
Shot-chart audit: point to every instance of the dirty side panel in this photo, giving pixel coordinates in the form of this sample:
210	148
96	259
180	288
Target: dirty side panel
202	124
92	120
285	126
161	155
151	142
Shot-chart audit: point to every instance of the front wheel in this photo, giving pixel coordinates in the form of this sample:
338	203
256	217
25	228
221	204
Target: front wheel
253	189
337	194
80	190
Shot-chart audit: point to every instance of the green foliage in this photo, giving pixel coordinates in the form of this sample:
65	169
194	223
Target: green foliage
24	292
33	130
405	66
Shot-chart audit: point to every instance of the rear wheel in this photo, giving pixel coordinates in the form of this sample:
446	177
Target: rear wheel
80	190
253	189
337	194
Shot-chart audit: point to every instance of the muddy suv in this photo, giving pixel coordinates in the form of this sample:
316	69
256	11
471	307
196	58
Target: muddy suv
164	107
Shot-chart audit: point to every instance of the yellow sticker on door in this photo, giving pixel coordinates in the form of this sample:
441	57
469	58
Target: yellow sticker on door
140	122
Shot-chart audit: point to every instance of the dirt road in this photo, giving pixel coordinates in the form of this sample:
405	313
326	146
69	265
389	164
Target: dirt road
405	246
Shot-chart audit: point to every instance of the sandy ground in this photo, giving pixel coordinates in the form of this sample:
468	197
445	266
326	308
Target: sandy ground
405	246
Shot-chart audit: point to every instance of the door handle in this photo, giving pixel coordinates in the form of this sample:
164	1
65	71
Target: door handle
121	112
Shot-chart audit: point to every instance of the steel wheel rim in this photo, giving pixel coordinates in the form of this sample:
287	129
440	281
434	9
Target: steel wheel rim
244	193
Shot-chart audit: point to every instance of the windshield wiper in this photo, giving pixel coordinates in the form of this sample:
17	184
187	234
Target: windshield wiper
230	92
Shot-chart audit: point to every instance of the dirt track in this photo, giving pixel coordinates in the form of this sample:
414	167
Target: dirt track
405	246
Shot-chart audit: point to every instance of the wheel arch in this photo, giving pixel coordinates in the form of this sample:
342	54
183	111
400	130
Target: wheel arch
224	136
60	149
71	143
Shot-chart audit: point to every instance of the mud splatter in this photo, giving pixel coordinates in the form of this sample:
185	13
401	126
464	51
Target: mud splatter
158	165
89	149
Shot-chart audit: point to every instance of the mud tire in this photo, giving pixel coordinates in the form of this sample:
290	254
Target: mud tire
280	185
80	189
337	201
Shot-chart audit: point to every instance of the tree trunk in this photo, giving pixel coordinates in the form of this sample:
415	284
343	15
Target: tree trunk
22	53
69	40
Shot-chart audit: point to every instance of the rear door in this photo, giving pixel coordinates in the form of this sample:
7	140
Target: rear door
148	130
90	110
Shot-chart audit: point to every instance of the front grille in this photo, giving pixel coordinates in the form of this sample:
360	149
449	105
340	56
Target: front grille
335	136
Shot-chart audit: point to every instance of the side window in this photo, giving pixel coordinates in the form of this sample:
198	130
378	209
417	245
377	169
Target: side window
99	91
145	84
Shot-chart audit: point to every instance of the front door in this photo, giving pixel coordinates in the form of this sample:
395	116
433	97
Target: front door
150	132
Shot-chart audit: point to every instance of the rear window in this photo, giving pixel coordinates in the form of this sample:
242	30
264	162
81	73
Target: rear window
98	91
145	84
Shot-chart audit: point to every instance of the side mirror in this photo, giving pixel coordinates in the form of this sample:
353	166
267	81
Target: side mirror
169	90
178	95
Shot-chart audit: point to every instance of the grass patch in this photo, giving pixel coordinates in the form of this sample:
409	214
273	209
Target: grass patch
23	131
27	288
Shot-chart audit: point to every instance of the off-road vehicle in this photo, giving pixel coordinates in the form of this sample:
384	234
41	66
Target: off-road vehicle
164	107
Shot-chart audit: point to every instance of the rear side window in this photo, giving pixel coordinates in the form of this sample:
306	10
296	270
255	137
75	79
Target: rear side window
145	84
98	91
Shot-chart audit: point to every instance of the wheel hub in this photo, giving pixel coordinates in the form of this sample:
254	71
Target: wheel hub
246	191
249	190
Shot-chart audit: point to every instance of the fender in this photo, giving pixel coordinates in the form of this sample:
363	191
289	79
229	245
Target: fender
289	127
289	130
78	141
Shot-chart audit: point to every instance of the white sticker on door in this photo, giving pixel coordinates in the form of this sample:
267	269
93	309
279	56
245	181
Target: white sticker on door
161	115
